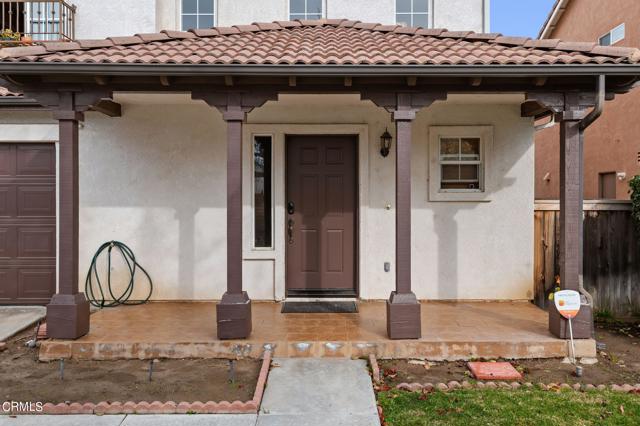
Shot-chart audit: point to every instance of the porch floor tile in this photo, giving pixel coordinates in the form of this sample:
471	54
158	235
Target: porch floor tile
465	330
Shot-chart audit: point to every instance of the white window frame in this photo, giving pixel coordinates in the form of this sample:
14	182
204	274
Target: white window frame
323	12
611	33
412	13
181	14
253	193
485	134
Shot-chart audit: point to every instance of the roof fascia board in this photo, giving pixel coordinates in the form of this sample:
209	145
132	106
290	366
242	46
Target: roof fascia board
553	18
317	70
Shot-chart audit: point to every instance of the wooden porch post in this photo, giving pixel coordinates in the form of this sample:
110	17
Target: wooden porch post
68	311
571	219
403	308
234	310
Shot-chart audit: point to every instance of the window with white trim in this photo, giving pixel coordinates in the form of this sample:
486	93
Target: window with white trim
413	13
305	9
198	14
459	162
613	36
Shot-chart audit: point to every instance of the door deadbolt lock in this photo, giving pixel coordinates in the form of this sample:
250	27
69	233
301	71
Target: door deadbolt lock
291	208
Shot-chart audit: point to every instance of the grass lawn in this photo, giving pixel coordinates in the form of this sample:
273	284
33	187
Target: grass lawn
504	407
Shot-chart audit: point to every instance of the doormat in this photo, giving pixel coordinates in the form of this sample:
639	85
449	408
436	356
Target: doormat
319	308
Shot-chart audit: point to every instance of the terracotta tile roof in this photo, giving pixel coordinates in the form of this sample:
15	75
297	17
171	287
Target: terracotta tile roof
6	93
338	42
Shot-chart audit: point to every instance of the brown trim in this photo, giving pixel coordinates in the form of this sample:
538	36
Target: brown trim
68	311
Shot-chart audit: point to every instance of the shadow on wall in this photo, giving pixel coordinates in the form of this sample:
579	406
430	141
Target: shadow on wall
154	174
472	247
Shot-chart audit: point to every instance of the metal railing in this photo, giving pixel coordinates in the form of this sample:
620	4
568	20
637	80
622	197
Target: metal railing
22	21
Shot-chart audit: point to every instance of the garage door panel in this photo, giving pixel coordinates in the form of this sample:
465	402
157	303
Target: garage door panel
36	201
27	223
8	246
36	283
7	201
35	160
36	242
8	284
7	160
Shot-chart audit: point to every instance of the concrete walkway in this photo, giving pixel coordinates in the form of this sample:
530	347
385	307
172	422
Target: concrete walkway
14	319
318	392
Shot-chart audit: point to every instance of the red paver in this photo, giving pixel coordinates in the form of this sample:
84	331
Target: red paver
494	371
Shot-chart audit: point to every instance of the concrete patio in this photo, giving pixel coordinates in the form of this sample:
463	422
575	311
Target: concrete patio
450	331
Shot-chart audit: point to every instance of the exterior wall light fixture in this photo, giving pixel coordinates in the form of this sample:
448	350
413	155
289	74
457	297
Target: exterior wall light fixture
385	143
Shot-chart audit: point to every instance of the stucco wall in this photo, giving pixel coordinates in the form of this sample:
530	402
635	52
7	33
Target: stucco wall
611	142
451	14
100	19
155	179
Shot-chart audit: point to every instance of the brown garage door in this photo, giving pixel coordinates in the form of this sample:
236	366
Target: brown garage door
27	223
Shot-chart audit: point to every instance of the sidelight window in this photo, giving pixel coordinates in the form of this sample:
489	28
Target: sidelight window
305	9
262	191
198	14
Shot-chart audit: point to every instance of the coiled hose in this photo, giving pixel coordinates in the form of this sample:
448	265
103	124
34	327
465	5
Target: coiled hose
132	265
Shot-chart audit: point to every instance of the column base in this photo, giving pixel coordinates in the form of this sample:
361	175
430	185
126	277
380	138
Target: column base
403	316
233	315
67	316
582	324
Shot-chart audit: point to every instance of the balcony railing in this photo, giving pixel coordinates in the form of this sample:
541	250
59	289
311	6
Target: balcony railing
23	21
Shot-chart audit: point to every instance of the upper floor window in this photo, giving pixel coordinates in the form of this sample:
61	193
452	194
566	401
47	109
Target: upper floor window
198	14
613	36
413	13
305	9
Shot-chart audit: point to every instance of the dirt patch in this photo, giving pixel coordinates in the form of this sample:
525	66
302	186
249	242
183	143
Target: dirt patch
618	363
24	378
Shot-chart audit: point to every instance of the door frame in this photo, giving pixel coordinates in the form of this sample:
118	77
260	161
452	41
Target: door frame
327	294
272	260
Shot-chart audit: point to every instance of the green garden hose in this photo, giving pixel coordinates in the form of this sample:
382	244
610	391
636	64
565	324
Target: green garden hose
123	299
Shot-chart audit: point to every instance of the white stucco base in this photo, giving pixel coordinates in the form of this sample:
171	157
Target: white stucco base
156	179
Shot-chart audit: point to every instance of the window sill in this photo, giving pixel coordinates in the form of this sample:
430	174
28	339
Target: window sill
471	196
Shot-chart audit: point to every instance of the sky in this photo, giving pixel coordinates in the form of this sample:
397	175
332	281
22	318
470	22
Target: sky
519	17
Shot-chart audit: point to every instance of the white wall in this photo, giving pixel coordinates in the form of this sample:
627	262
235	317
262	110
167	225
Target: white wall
97	20
155	179
100	19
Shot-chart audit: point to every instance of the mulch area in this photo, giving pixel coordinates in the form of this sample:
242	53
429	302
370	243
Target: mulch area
24	378
618	363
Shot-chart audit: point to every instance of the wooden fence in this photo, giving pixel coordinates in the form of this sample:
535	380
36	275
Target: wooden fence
611	255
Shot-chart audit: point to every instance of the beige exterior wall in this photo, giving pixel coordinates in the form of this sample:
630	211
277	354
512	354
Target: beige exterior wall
155	179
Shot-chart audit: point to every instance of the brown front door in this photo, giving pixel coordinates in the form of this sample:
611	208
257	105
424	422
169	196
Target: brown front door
27	223
321	211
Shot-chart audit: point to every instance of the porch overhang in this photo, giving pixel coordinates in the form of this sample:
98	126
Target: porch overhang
238	69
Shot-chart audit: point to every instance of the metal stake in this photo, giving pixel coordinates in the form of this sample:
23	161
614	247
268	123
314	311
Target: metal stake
151	370
232	371
61	368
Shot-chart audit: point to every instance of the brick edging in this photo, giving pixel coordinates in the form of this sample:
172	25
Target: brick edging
375	369
169	407
453	385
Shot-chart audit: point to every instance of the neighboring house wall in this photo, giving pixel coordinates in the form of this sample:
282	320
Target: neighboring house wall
96	19
155	179
611	143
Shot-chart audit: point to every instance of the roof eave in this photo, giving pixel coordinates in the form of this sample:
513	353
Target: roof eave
552	19
57	68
